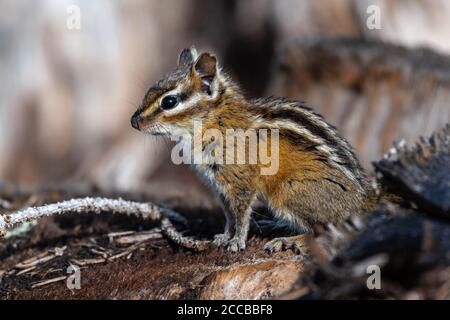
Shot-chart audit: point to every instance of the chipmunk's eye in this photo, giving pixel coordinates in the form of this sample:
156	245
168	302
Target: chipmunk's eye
169	102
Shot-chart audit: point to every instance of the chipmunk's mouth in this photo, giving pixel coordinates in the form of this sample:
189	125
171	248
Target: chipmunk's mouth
138	123
155	133
154	130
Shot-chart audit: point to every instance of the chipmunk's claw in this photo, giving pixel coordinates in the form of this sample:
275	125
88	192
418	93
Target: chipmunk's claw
221	239
295	243
235	245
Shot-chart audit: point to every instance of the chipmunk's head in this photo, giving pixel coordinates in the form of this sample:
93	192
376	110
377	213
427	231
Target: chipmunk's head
187	93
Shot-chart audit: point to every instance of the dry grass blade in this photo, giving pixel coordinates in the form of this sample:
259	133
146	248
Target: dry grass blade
129	250
138	237
86	262
25	270
100	253
33	262
46	282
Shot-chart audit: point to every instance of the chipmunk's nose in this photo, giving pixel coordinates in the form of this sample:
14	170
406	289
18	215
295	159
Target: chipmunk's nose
135	119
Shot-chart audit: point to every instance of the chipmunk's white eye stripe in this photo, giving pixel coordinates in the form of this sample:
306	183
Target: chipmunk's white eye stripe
191	101
181	105
184	104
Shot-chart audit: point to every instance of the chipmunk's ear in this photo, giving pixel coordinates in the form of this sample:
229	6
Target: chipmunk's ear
187	56
206	65
205	68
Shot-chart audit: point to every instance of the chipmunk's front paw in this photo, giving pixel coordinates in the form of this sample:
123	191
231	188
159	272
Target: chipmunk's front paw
296	244
221	239
235	245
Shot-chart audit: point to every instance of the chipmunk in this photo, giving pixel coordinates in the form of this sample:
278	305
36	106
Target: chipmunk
319	178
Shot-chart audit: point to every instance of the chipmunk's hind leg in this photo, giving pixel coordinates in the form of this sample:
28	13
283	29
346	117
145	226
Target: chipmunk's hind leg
294	243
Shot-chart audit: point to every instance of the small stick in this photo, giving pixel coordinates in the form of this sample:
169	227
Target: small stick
43	283
146	211
25	270
22	265
85	262
137	237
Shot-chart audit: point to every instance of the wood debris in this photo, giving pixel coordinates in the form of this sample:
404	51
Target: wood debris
129	250
113	235
138	237
46	282
43	257
25	270
100	253
59	251
86	262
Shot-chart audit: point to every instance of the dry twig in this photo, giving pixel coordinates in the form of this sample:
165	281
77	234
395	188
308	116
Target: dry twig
138	237
146	211
43	283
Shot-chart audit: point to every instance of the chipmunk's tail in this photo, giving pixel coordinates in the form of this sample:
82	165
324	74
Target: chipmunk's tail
387	194
377	194
391	197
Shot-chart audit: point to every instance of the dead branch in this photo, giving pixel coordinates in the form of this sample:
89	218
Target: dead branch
145	211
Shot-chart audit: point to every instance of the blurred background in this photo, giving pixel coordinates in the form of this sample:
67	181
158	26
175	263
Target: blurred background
67	94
